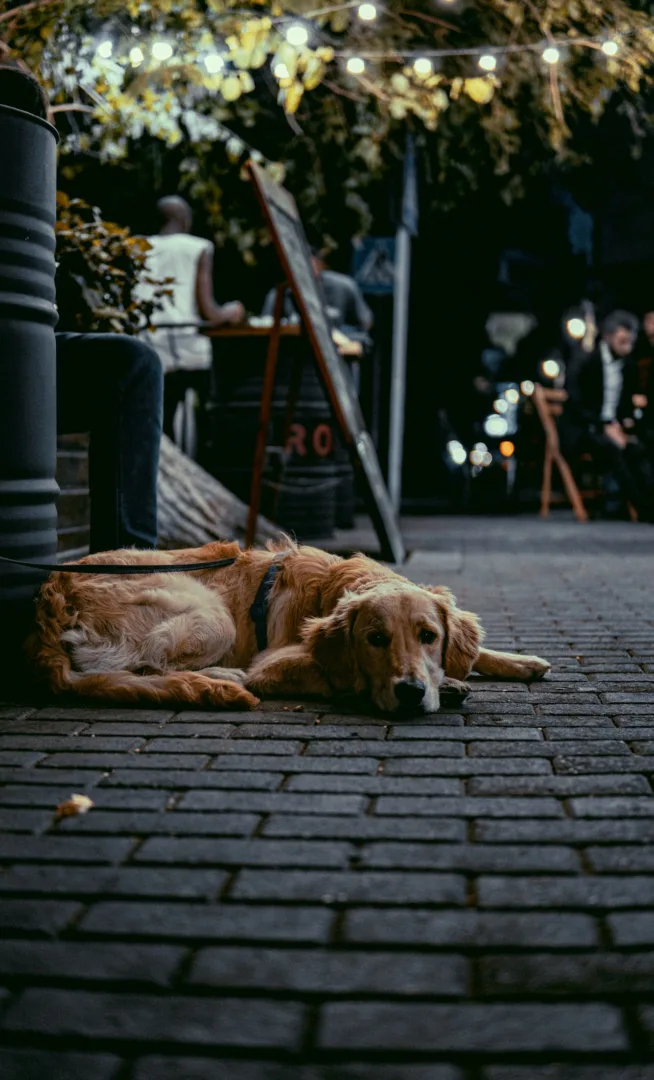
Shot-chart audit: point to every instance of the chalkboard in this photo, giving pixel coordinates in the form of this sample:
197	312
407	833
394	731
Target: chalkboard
282	216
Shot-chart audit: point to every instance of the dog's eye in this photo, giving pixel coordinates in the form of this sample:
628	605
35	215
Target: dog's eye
427	637
378	639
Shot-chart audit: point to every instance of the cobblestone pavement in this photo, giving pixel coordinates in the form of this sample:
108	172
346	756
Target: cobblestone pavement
327	896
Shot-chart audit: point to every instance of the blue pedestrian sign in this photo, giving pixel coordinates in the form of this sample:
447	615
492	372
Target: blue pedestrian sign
374	265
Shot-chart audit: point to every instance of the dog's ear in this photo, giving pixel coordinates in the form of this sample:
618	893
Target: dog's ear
330	642
463	634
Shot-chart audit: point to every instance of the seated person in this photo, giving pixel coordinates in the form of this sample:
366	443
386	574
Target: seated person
185	354
599	418
112	386
346	307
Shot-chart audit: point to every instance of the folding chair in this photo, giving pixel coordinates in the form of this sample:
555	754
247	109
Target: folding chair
549	404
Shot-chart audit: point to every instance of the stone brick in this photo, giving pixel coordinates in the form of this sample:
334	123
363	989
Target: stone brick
142	1018
365	828
24	821
469	807
83	743
588	891
304	763
632	928
636	859
568	1072
129	881
313	971
36	917
472	858
396	748
468	928
39	1064
89	961
562	786
573	766
565	832
468	767
175	1068
456	734
376	785
73	712
107	761
171	823
64	849
257	852
578	975
472	1028
551	748
265	802
202	922
374	887
613	807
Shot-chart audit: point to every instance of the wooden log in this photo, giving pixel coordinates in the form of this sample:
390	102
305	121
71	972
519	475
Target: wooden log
195	508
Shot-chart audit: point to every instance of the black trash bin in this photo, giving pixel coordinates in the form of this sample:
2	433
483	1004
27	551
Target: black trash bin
28	315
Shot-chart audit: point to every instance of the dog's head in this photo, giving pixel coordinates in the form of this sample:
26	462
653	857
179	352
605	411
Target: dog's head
395	641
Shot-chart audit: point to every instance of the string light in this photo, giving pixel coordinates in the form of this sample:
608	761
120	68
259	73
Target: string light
367	12
136	56
162	50
576	327
512	396
550	368
610	48
105	49
297	35
527	387
423	66
551	55
280	71
487	62
214	63
356	66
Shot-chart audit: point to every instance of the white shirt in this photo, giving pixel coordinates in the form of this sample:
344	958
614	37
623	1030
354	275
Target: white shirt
612	371
177	255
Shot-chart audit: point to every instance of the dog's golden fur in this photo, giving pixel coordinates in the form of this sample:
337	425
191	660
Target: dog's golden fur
334	626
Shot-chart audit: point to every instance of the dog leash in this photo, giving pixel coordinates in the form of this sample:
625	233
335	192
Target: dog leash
116	568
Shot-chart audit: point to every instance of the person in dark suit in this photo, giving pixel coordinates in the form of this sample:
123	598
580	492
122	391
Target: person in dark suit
603	395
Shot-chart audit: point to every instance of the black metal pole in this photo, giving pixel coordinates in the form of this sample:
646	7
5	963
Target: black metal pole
28	433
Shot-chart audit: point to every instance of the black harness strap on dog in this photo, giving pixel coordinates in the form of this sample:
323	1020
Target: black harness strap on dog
259	609
117	568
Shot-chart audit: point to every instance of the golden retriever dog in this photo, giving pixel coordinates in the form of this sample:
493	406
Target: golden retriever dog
332	626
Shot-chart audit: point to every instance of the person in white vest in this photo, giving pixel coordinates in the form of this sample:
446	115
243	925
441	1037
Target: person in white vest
185	354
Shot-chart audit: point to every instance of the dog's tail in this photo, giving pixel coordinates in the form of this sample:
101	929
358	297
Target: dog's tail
48	656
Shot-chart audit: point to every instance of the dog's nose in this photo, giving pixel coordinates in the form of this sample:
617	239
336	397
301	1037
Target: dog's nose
410	692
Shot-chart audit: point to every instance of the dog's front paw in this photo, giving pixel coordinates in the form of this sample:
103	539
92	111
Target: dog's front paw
236	675
534	667
454	688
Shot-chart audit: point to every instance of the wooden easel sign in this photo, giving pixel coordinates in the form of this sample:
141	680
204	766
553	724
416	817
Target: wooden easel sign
283	219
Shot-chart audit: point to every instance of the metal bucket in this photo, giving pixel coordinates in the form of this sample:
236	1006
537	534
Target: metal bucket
28	315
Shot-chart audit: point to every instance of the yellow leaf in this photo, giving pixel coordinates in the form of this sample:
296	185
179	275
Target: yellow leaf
398	109
325	53
480	90
246	81
231	88
400	83
293	96
314	73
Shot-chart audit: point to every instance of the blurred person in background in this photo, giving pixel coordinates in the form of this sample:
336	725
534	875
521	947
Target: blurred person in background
600	416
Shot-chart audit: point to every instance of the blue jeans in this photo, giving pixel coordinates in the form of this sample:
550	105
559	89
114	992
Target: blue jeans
112	386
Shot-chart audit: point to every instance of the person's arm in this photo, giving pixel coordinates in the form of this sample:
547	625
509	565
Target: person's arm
362	314
209	310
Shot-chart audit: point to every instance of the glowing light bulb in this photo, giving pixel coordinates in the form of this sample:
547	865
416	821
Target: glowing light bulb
136	56
422	66
162	50
280	71
551	55
456	452
550	368
356	66
576	328
481	446
367	12
610	48
476	457
487	458
501	405
507	448
527	387
487	62
495	426
214	63
297	35
512	396
105	49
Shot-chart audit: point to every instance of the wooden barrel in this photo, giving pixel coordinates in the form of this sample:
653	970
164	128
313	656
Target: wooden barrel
301	476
